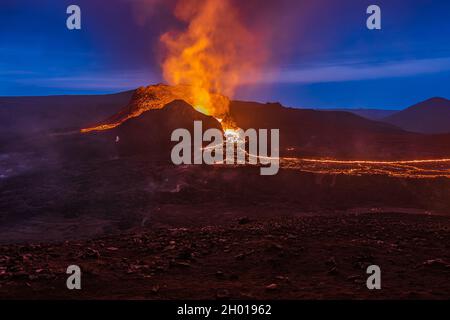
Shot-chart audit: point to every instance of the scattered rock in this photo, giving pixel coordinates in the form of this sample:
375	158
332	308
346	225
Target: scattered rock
240	256
185	254
27	258
234	277
353	277
437	263
244	220
333	271
91	254
155	289
20	275
4	274
272	287
222	294
160	269
331	262
181	264
169	248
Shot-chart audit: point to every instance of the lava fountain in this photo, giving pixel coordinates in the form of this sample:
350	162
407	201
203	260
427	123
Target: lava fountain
211	55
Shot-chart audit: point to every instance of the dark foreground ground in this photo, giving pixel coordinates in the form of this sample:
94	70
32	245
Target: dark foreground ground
145	230
309	257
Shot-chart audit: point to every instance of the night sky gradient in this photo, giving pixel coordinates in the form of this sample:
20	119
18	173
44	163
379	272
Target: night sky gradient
322	54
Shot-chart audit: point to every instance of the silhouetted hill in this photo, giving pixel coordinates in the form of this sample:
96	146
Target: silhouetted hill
25	115
150	133
303	132
430	116
337	134
371	114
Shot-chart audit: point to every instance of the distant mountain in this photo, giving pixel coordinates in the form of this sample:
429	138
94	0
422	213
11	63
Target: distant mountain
28	115
336	134
28	123
431	116
372	114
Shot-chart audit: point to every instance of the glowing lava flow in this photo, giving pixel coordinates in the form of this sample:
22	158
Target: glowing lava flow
428	168
370	161
416	169
431	168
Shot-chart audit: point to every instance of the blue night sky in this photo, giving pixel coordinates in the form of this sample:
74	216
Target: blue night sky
322	54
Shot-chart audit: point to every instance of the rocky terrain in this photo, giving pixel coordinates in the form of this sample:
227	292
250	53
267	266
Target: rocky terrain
308	257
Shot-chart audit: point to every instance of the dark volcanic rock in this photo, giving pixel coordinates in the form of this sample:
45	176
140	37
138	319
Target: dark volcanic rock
341	135
150	133
415	271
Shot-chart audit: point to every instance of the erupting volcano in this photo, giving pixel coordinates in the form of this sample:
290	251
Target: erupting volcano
205	60
180	190
158	96
204	63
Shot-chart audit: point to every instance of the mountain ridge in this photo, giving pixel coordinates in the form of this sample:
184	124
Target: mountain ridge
431	116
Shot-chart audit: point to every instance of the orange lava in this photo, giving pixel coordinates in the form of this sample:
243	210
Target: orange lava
429	168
